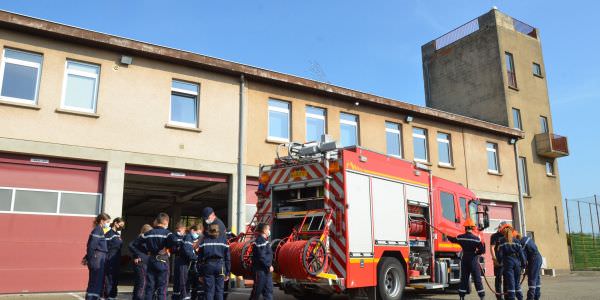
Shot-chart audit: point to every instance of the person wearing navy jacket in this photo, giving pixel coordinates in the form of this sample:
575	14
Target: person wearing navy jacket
472	249
95	257
534	266
113	259
183	261
209	217
178	286
140	263
510	253
158	242
262	264
216	263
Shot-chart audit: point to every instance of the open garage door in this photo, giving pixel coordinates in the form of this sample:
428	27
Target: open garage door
180	193
47	207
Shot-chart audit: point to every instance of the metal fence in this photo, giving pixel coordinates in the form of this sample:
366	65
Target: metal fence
583	232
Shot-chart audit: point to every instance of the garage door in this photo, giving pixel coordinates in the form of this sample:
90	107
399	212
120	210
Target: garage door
499	211
46	212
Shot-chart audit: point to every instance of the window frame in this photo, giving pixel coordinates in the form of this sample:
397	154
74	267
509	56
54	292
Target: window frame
398	132
351	123
456	216
82	74
308	115
26	64
184	93
448	141
58	202
287	111
495	150
421	136
512	73
544	127
519	124
525	188
535	66
550	166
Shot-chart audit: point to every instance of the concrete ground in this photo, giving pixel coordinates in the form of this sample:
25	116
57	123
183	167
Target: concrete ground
576	285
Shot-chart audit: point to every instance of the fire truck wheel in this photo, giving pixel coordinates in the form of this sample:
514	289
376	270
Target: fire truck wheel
391	279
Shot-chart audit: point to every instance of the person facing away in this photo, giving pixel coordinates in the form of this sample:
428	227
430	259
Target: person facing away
510	254
113	259
140	263
158	242
215	262
472	249
180	265
195	236
95	257
209	217
494	244
534	267
262	264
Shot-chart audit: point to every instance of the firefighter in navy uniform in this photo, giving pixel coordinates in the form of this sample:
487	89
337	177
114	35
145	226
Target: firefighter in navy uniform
180	265
95	257
113	260
209	217
472	248
186	257
215	262
262	264
140	264
158	242
510	253
534	267
494	244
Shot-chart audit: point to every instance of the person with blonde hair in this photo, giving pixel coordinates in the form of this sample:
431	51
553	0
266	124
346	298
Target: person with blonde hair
510	254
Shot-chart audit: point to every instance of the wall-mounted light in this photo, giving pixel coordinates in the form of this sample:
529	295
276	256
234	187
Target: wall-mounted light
356	103
126	60
512	141
409	119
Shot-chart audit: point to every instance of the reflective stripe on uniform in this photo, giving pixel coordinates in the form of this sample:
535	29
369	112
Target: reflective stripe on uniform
261	245
189	243
472	240
215	244
98	236
156	236
112	237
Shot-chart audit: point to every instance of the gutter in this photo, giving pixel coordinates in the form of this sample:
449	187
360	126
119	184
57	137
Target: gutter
241	176
523	226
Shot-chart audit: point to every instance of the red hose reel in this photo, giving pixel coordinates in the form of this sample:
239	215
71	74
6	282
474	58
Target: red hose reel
302	259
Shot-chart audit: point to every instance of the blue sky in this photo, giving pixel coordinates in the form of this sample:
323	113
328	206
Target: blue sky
372	46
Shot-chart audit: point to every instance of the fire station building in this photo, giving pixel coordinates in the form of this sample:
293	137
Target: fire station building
93	122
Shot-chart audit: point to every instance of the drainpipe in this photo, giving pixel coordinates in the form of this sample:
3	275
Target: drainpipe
523	228
241	178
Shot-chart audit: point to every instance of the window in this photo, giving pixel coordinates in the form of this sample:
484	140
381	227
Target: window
393	138
523	180
444	149
473	211
279	120
463	207
550	168
49	202
20	76
184	104
448	209
348	129
517	119
492	157
420	144
544	124
80	89
537	70
5	199
510	70
315	123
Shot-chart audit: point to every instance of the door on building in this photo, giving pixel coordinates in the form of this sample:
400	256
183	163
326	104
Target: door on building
498	211
47	206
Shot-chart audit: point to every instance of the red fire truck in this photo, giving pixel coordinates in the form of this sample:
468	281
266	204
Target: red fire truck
355	221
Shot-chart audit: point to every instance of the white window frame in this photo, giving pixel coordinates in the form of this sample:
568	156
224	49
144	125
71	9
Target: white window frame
449	142
525	188
25	64
96	78
516	125
58	202
421	136
351	123
399	133
544	124
317	117
281	110
551	164
186	93
493	149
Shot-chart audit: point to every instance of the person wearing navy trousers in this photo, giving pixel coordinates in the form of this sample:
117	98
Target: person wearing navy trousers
113	259
179	266
534	268
262	264
140	264
95	257
215	262
510	253
472	249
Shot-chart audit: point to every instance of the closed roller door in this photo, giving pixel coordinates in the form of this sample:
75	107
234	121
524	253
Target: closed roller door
46	212
498	212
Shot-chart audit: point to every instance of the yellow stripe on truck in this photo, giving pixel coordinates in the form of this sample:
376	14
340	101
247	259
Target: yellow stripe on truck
365	260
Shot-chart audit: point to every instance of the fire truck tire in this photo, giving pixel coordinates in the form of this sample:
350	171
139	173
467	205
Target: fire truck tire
391	279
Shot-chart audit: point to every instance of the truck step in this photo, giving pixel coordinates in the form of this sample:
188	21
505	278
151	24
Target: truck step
428	286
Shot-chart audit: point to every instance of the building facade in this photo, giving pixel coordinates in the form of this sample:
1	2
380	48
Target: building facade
492	69
93	122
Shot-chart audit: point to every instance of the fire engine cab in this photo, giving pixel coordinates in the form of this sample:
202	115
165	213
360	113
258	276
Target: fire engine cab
350	220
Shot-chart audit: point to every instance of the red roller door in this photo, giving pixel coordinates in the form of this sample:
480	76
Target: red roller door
499	211
46	212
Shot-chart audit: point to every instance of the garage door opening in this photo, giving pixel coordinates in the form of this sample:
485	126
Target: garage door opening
182	194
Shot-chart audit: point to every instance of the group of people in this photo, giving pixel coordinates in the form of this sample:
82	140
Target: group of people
512	254
201	265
